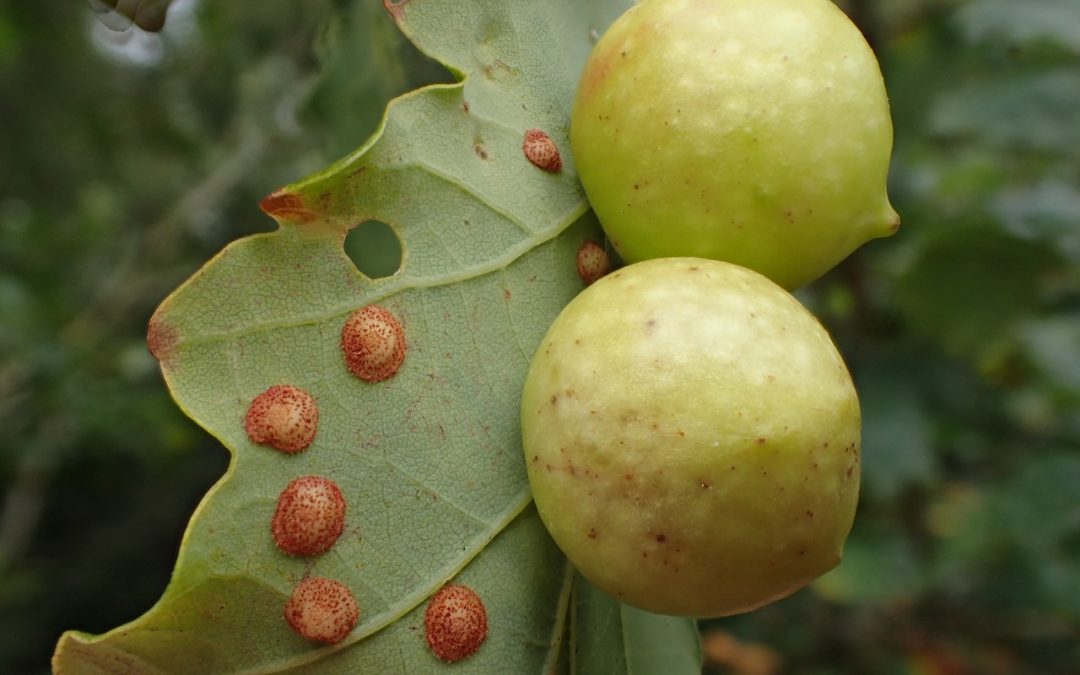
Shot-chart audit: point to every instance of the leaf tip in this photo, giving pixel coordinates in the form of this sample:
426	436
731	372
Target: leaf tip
161	338
396	8
284	205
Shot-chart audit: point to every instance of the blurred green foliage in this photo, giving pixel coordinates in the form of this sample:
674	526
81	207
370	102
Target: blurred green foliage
129	158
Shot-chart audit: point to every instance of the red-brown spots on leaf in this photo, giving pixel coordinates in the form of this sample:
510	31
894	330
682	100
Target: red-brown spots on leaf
284	205
161	338
541	150
592	262
309	517
284	417
373	343
455	623
322	610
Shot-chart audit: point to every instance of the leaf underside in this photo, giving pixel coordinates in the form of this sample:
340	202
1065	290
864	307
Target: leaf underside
429	461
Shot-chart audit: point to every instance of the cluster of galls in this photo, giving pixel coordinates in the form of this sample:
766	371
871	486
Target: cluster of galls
311	511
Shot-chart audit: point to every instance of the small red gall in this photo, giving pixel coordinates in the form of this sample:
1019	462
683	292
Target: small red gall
455	622
541	150
592	262
309	517
373	342
322	610
284	417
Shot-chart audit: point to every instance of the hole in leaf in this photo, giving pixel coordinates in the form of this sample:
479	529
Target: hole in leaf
374	248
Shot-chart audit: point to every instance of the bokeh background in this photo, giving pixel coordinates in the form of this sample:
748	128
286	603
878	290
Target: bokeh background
128	157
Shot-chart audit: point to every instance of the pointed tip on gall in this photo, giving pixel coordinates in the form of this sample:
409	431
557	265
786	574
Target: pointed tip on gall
373	342
541	150
309	517
284	417
455	623
322	610
592	262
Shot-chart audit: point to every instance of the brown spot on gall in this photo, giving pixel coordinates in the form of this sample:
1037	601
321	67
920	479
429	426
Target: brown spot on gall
373	343
541	150
455	623
284	417
592	262
322	610
309	517
661	538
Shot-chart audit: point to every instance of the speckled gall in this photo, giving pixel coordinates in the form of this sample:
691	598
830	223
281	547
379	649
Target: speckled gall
284	417
309	517
541	150
455	623
322	610
592	262
373	343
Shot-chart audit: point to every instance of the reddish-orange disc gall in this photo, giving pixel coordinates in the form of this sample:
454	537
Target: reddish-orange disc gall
373	342
455	623
541	150
592	262
322	610
283	416
309	517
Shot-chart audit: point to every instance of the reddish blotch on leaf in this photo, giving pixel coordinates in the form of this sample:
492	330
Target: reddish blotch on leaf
373	343
284	417
284	205
541	150
161	338
322	610
455	623
309	517
593	262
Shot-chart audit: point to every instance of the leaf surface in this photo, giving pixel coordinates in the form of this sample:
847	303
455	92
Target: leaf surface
429	461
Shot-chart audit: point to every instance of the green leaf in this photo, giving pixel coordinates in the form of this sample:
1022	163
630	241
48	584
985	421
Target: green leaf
1044	211
896	439
430	460
611	638
1021	23
1031	111
878	569
969	287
